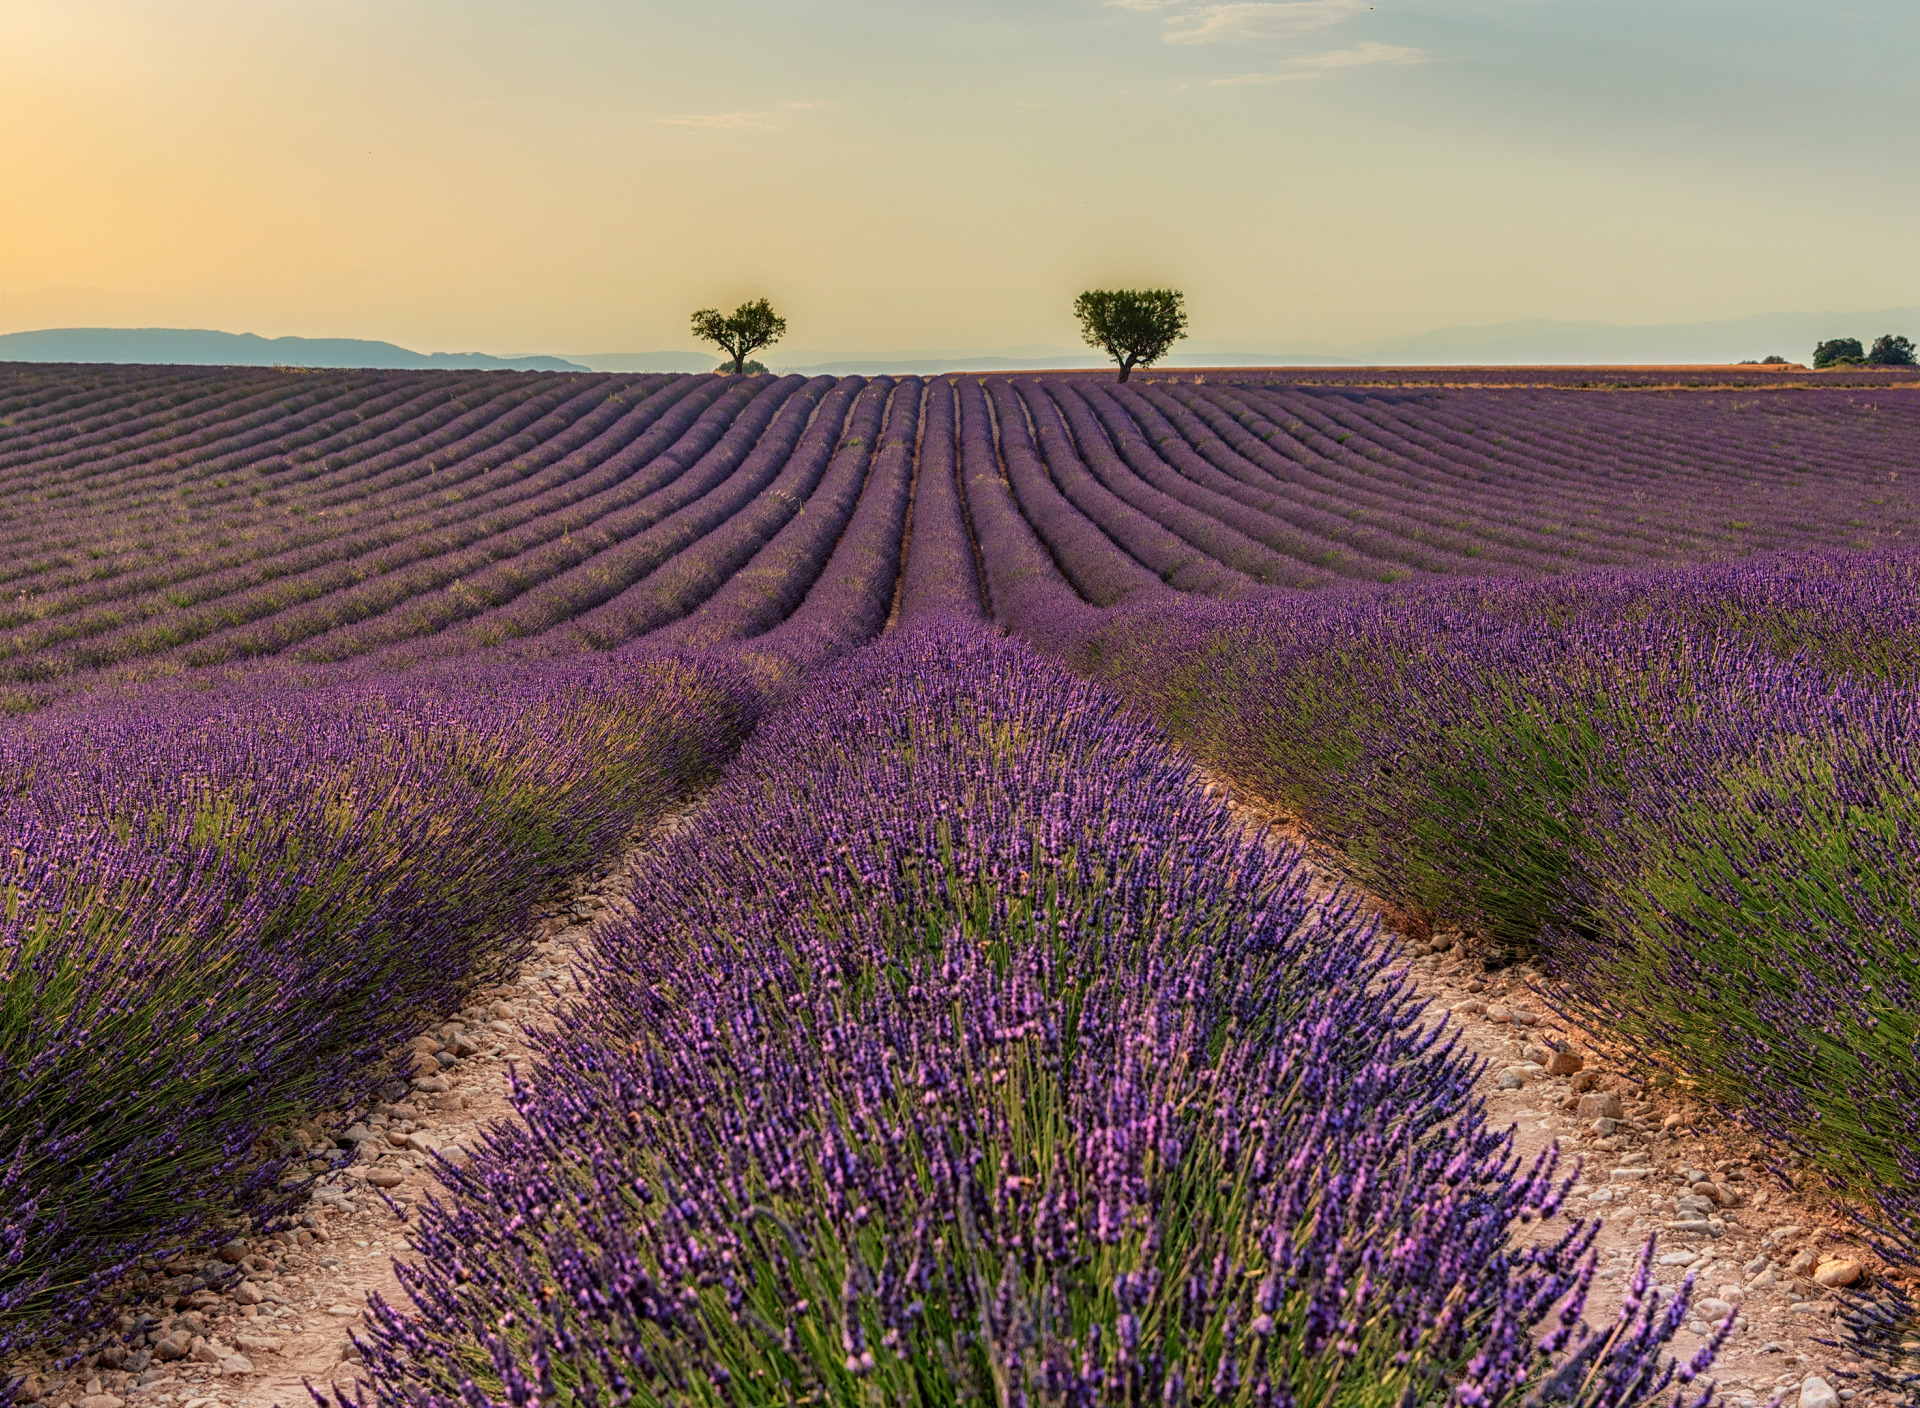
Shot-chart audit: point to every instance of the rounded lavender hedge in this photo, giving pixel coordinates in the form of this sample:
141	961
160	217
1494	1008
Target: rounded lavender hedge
225	913
962	1050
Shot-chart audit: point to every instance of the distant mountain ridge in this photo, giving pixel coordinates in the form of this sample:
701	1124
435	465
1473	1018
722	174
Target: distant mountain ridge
201	347
1526	342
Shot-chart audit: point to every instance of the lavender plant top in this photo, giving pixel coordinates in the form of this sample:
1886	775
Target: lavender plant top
1695	792
222	915
962	1051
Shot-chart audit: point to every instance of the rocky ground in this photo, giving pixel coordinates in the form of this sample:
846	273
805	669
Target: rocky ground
257	1324
1655	1161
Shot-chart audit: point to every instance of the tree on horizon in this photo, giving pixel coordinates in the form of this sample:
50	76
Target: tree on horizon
1838	352
1134	326
745	331
1890	350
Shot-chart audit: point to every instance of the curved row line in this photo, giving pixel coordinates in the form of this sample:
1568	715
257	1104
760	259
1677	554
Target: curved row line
392	517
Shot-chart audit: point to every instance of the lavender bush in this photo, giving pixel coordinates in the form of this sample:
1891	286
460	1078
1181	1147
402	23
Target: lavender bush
225	913
1694	792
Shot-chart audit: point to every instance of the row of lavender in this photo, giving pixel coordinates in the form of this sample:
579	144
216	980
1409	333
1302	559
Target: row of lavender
224	912
1696	793
960	1050
779	542
180	525
1695	790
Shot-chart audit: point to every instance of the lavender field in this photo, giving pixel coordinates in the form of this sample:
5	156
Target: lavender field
958	1044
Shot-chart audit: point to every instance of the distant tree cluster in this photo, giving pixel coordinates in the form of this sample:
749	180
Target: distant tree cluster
1888	350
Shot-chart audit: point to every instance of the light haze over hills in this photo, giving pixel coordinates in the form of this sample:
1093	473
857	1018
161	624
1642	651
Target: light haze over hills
203	347
1312	173
1538	341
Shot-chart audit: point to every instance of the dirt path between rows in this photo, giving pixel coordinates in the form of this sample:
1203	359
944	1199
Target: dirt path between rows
1753	1245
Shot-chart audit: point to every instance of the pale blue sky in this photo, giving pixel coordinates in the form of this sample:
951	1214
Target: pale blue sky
575	175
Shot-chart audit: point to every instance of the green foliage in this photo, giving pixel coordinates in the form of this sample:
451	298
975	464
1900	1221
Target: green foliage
1134	326
1891	350
1838	352
420	845
1795	861
747	329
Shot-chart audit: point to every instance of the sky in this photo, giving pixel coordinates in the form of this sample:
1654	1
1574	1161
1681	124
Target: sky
517	176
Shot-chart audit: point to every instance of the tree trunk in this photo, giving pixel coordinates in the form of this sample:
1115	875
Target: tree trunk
1126	369
739	363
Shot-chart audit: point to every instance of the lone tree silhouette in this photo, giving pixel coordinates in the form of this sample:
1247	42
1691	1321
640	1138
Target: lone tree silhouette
1134	326
750	327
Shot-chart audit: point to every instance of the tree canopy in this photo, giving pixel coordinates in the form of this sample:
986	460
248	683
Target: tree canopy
1890	350
746	330
1838	352
1134	326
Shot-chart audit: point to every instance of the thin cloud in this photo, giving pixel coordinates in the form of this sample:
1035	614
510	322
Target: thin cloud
1248	80
721	121
1367	51
1259	19
1143	5
1360	55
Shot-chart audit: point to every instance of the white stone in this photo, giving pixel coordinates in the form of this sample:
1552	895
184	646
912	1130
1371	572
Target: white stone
1816	1392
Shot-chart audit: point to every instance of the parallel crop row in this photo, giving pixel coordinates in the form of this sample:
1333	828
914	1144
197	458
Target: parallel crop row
1695	793
221	913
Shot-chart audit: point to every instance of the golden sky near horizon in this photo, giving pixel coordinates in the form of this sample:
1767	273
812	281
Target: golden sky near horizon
576	175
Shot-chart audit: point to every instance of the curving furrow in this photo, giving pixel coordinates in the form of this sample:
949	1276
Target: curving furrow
940	577
225	601
853	593
1123	460
745	580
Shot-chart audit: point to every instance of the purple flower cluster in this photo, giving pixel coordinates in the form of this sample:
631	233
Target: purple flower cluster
1695	792
962	1050
225	912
